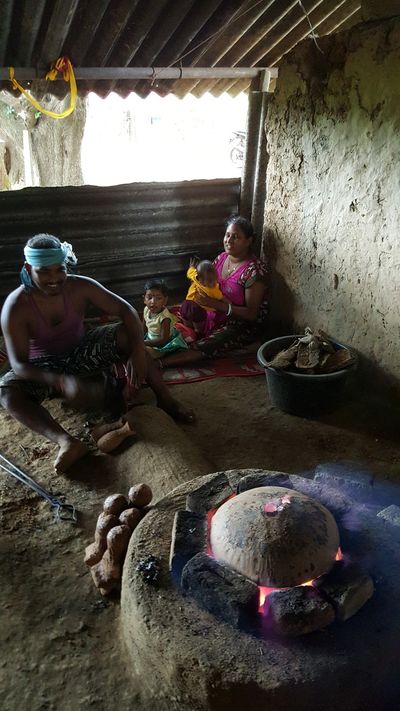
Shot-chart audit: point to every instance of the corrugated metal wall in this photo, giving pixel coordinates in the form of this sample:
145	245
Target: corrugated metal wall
123	234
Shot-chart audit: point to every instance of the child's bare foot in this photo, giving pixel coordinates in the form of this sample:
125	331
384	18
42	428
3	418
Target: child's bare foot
70	451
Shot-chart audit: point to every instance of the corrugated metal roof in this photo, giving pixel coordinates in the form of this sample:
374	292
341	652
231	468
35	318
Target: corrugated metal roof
122	234
143	33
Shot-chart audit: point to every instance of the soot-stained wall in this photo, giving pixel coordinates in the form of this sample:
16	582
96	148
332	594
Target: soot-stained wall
333	190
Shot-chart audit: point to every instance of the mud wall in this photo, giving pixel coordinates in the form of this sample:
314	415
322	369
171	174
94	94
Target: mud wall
333	186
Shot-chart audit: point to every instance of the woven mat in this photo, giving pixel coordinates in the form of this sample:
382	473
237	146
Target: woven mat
218	368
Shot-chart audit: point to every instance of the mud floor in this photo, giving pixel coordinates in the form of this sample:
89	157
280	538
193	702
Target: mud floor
60	639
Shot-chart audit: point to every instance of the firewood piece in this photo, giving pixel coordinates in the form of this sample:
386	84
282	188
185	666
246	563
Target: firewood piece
140	495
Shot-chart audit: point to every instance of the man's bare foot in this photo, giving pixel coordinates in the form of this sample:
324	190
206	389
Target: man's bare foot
176	410
70	451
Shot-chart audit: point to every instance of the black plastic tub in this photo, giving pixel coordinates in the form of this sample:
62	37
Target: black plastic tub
306	395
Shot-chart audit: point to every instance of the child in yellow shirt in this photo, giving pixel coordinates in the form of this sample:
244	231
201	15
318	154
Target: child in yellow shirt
202	319
161	336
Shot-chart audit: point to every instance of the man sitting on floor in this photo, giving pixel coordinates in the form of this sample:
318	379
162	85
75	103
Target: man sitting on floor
51	355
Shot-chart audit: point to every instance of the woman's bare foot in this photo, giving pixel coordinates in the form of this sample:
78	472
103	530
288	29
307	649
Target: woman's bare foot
176	410
70	451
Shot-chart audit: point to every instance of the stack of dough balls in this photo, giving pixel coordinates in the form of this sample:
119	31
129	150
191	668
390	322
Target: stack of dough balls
114	527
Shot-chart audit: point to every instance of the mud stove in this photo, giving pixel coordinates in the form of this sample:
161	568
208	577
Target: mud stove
271	590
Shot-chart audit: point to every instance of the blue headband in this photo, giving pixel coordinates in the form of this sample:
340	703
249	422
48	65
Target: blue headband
43	257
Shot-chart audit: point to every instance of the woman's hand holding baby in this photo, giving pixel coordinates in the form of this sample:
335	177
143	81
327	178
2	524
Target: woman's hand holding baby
208	302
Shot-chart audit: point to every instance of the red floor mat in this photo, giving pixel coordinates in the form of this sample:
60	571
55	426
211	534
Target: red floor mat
221	368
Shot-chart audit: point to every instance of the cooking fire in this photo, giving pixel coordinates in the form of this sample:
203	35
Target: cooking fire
274	553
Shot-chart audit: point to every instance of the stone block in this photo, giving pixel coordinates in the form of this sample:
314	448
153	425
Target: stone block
252	481
189	537
391	515
347	586
330	497
209	495
297	611
229	596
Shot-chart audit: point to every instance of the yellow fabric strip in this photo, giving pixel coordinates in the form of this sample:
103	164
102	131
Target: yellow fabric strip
62	64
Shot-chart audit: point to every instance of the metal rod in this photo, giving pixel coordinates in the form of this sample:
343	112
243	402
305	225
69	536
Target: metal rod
250	154
154	73
63	511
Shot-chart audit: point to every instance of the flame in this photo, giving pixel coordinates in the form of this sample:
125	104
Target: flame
263	594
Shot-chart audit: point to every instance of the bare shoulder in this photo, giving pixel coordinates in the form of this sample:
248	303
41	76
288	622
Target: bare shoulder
82	284
15	306
16	299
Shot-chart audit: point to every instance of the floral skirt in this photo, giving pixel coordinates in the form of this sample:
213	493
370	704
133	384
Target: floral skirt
235	334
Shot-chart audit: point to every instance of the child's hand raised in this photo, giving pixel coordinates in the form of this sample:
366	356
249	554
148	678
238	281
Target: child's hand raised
194	261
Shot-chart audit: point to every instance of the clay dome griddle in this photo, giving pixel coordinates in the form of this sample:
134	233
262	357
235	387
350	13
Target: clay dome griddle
275	536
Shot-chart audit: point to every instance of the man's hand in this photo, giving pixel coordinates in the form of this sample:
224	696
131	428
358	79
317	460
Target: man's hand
69	386
81	393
